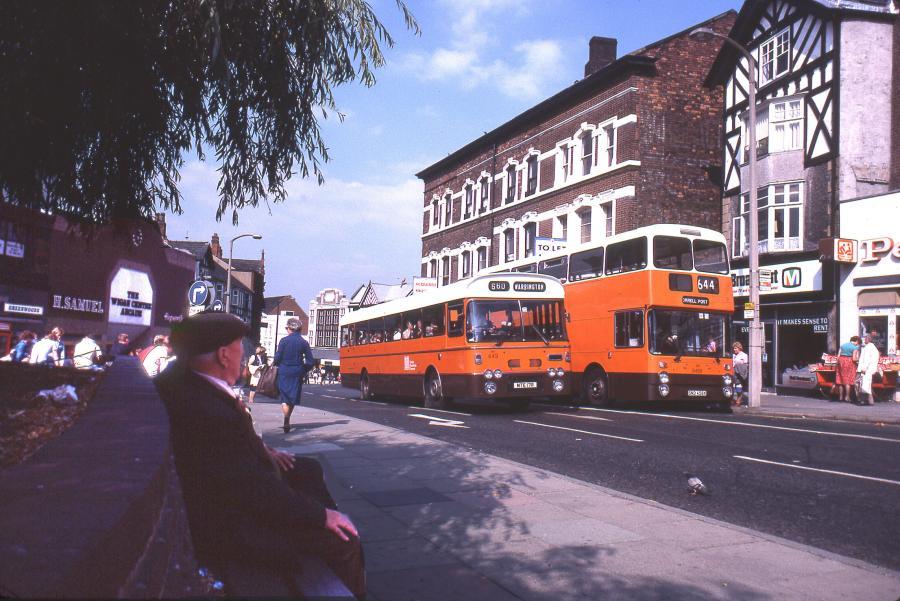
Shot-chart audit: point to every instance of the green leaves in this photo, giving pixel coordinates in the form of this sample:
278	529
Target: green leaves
100	101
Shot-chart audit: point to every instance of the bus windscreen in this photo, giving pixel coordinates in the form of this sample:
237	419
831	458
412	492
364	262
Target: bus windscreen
515	321
690	333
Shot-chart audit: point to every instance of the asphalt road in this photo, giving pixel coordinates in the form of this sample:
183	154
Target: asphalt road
833	485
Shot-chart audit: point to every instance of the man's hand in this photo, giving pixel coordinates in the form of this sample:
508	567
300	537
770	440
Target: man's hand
340	524
284	460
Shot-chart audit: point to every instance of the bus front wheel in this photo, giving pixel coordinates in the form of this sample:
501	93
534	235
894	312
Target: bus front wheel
434	393
365	391
595	388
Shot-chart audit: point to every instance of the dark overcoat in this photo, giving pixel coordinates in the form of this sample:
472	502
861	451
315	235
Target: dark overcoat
294	358
238	505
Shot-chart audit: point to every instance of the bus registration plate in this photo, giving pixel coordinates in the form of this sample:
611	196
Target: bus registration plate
696	393
524	384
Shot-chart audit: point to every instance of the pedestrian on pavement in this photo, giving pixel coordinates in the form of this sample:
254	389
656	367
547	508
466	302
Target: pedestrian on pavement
156	359
294	359
868	366
845	375
49	350
247	504
23	347
741	370
121	346
87	352
255	365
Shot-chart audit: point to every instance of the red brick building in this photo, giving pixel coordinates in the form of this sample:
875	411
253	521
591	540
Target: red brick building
635	142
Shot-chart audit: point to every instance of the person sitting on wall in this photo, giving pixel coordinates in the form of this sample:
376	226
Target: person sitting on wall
246	502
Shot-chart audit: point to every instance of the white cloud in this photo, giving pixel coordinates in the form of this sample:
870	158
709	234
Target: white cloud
341	234
540	60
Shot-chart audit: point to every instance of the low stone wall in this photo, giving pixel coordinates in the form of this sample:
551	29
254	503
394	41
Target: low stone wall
97	512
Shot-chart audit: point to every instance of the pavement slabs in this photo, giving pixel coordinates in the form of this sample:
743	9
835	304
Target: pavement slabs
440	522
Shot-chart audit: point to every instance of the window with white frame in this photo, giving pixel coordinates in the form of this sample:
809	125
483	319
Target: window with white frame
607	213
762	135
466	263
561	227
448	210
482	258
445	271
435	212
785	120
510	183
608	158
432	268
470	201
485	195
530	231
564	162
531	186
585	215
587	152
774	56
780	220
509	245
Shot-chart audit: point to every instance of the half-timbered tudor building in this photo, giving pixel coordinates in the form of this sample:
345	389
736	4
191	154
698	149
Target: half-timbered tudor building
633	143
827	130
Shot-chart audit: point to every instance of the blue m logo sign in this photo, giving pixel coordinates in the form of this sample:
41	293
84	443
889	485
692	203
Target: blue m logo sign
791	277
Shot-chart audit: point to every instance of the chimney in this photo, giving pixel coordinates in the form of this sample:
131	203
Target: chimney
214	246
161	224
602	52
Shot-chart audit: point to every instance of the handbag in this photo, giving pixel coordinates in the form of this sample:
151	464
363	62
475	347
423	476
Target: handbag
268	381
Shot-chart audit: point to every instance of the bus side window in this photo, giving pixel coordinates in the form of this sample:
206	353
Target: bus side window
557	268
586	264
629	255
455	321
433	318
629	329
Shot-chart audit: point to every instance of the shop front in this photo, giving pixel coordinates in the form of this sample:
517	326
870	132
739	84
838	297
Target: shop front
870	278
798	313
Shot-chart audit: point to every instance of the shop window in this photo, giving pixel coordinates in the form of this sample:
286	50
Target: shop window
629	329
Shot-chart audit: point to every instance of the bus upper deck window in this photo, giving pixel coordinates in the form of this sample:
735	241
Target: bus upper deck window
629	255
557	268
672	252
586	264
710	256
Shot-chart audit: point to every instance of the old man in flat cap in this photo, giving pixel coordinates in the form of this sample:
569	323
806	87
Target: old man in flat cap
246	503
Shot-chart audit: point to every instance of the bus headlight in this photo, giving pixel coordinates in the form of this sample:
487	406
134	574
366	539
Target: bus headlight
560	372
664	390
498	374
490	387
558	385
488	374
727	379
663	377
726	390
551	371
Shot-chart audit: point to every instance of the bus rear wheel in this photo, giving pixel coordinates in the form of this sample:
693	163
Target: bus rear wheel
595	388
434	392
365	391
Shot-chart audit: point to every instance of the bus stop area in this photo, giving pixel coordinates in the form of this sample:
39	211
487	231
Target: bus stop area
441	522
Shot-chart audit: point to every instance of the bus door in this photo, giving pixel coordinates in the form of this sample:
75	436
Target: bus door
626	362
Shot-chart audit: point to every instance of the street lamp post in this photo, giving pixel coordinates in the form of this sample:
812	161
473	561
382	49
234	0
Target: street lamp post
756	332
228	279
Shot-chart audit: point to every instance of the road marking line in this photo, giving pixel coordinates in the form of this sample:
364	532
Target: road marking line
519	421
816	469
445	411
328	396
440	421
603	419
746	424
372	402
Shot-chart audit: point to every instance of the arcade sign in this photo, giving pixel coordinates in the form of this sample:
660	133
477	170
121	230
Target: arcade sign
130	298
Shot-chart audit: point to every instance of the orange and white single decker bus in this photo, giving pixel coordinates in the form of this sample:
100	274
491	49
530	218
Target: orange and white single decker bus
500	337
650	314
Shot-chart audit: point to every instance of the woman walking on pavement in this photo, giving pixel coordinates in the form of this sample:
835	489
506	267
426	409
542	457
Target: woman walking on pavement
848	357
255	365
294	359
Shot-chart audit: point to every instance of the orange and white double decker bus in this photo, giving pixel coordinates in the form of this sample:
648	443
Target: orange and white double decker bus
650	314
499	337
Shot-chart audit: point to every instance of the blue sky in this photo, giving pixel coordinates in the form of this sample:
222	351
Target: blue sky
477	64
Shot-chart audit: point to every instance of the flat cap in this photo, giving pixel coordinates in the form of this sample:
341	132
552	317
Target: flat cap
206	332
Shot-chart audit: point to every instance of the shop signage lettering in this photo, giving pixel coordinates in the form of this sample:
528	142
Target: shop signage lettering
874	249
803	276
549	245
14	249
130	298
173	318
72	303
424	285
26	309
